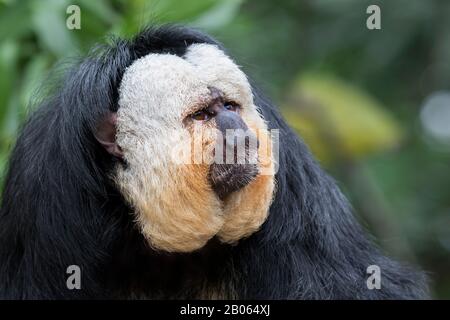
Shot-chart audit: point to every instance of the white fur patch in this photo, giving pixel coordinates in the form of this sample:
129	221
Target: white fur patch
174	203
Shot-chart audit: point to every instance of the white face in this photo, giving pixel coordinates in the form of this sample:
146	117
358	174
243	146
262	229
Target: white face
174	203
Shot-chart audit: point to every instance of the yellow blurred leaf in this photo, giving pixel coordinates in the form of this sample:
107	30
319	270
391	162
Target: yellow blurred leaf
339	120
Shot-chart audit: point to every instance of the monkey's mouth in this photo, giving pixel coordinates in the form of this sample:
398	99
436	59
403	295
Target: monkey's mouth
228	178
235	172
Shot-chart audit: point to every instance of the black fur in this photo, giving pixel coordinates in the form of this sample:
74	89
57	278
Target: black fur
59	208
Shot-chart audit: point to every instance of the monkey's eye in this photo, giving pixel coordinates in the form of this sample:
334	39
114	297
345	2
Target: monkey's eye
201	115
231	106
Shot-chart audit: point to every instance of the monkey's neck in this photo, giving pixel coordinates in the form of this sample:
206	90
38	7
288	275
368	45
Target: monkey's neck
148	274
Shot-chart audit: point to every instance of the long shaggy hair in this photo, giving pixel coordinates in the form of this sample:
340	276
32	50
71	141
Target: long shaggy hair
60	208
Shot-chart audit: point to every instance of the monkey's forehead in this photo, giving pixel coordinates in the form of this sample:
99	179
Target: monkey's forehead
168	82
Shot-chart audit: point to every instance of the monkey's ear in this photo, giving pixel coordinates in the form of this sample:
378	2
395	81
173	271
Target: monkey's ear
106	134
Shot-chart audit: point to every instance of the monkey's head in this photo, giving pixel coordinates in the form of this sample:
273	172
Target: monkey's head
196	156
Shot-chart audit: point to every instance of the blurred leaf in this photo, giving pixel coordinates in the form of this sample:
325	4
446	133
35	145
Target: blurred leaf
101	10
8	64
139	13
219	15
32	78
14	19
339	120
11	120
48	18
178	11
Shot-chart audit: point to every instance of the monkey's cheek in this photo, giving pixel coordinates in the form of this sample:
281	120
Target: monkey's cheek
245	211
176	209
184	218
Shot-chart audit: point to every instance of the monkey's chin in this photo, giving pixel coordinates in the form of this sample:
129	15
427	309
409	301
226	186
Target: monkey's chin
246	210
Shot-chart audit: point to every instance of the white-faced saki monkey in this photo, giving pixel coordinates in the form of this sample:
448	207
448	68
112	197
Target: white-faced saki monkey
99	182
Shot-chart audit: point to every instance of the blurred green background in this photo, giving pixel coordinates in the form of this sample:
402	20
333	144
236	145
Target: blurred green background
374	105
